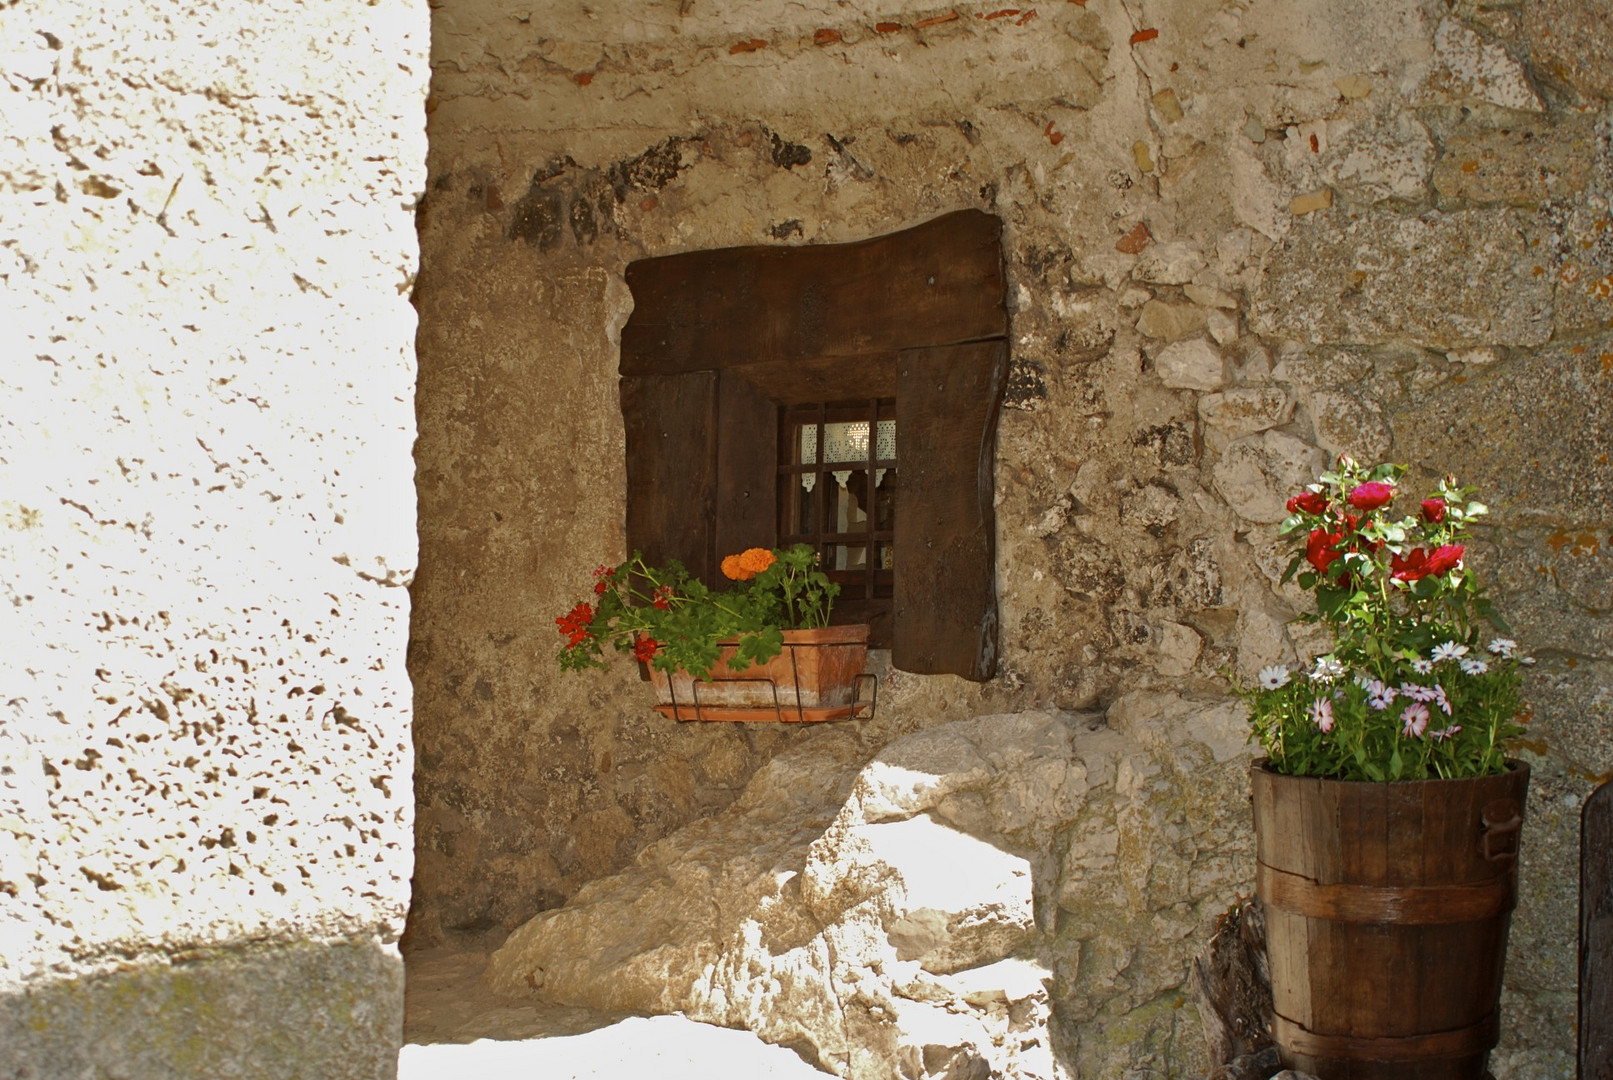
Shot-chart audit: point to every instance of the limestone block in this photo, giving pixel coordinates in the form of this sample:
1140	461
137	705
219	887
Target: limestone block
1349	424
1256	199
1584	279
1170	322
1522	164
1246	410
1444	281
882	912
1467	66
1262	635
951	921
1179	649
1526	461
330	1009
1383	157
207	524
1193	364
1210	296
1257	474
1572	41
1173	263
1325	369
1223	327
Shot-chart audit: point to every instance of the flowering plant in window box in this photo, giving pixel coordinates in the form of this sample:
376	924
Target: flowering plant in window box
1387	814
765	643
1413	688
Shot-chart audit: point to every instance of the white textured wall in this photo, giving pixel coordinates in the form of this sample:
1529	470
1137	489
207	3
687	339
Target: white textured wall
207	513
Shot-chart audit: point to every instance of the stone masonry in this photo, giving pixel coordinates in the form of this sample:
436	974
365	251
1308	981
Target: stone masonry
1240	239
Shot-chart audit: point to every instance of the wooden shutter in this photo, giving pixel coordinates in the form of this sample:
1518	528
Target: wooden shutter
945	607
747	468
934	284
671	429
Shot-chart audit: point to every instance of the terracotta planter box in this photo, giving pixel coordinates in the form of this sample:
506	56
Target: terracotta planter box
1387	908
817	676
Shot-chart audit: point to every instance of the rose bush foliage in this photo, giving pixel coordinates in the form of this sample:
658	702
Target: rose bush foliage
1410	690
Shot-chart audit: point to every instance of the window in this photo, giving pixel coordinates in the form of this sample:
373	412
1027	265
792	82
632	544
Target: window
758	385
837	492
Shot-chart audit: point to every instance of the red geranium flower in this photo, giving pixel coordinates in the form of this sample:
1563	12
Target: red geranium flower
1371	495
1319	551
663	597
1434	511
1312	502
1411	566
1445	558
575	623
644	649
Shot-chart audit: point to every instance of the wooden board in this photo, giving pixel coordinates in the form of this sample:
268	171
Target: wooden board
747	470
671	434
1596	936
934	284
945	601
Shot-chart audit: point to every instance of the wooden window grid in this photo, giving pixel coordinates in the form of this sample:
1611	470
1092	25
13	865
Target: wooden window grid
866	573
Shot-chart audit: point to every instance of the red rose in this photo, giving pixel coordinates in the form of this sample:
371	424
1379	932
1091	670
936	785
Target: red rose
1445	559
1411	566
1433	511
1319	549
1312	502
644	649
1371	495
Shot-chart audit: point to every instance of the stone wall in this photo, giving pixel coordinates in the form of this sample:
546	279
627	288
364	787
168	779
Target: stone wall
206	525
1239	238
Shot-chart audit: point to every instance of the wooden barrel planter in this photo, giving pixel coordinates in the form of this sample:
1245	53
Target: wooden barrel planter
1387	909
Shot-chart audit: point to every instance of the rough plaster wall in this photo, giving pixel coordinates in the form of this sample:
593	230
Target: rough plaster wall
1382	229
206	511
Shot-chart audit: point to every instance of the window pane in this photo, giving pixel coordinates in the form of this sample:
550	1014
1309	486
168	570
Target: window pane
847	489
848	557
846	442
883	559
885	499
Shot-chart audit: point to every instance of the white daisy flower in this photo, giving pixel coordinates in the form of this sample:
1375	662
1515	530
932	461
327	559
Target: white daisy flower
1327	669
1449	651
1379	696
1446	733
1504	647
1322	715
1422	667
1417	693
1526	660
1443	701
1273	678
1416	720
1475	666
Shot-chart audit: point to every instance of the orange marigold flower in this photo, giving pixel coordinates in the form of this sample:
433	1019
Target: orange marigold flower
756	559
733	571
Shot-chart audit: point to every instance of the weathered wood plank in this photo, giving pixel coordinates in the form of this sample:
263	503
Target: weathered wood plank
945	601
934	284
670	424
747	469
1596	936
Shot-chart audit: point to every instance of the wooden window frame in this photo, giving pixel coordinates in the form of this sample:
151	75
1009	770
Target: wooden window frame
721	343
